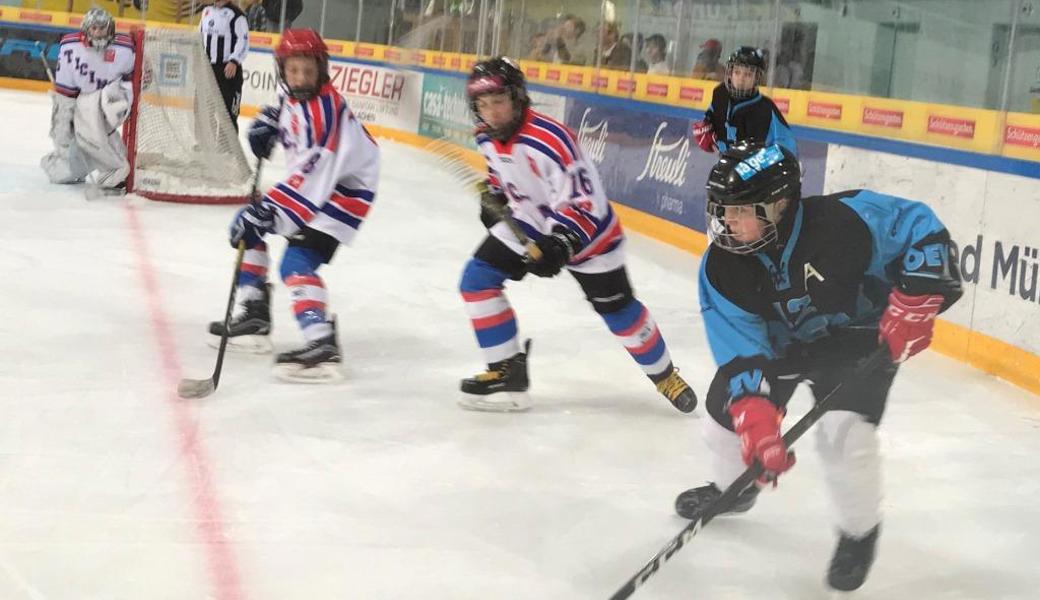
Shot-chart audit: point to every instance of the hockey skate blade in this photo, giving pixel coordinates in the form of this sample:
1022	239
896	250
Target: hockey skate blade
320	373
244	344
94	192
497	402
195	388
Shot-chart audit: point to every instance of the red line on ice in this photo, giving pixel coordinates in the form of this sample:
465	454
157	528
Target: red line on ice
219	557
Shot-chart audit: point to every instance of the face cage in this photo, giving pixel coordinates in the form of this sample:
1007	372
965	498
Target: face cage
720	234
738	94
304	94
100	43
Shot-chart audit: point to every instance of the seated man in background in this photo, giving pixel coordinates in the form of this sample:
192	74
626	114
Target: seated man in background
613	52
92	97
559	43
709	65
656	55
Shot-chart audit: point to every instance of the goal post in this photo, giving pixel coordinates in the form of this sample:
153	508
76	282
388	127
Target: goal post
180	141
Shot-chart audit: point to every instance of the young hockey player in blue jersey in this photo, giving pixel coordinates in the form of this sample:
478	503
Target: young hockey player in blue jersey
538	176
799	289
739	111
330	184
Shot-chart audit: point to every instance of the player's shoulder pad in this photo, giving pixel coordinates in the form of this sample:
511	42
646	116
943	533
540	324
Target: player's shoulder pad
550	138
235	9
124	40
71	38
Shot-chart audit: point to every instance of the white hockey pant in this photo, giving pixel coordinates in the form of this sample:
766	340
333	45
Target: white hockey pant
849	448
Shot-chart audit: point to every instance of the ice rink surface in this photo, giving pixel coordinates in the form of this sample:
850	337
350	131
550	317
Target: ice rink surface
380	487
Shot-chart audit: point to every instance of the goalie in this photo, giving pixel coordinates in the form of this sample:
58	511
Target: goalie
92	97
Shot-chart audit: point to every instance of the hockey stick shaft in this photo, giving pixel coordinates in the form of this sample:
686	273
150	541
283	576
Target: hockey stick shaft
728	497
470	177
43	58
503	213
198	388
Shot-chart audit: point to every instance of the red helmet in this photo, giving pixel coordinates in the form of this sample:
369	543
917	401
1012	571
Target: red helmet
303	42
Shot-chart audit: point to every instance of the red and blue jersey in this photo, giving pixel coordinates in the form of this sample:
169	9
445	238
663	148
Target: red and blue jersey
82	69
549	183
333	168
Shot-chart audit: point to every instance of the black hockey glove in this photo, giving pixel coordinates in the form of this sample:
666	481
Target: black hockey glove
251	224
557	248
263	133
492	205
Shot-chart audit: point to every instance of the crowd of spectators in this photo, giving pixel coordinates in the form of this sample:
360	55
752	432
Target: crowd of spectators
563	43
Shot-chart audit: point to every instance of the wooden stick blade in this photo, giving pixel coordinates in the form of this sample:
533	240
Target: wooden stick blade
195	388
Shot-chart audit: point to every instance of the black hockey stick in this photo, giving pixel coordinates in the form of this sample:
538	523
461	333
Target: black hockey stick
728	497
200	388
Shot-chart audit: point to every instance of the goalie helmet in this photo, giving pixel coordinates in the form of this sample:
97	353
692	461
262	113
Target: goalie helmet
302	42
751	180
99	28
496	76
751	58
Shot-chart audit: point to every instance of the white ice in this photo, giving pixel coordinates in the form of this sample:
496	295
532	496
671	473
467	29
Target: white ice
380	487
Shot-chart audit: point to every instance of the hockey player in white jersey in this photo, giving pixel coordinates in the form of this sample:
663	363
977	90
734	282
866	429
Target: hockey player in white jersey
539	177
91	99
333	169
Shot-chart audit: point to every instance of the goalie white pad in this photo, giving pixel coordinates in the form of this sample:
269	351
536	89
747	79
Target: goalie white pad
96	124
66	163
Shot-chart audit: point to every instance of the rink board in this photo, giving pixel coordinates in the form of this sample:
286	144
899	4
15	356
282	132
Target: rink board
635	128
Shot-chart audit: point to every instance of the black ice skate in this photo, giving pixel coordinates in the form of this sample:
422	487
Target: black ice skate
852	560
315	362
502	388
250	326
692	503
678	392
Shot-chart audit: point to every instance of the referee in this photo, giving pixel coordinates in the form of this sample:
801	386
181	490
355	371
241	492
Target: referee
225	35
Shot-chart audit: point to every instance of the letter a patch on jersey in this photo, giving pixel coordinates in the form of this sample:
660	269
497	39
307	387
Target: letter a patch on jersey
810	272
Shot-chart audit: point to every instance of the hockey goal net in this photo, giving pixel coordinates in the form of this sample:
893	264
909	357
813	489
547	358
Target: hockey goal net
179	137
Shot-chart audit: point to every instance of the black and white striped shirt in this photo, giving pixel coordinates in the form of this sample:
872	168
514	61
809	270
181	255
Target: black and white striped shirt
225	34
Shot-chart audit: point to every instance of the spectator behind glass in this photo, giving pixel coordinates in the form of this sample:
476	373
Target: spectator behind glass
560	42
708	65
613	53
656	55
637	50
256	16
273	10
536	45
789	72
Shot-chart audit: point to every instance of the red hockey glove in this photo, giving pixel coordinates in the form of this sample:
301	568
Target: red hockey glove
757	422
907	323
704	133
